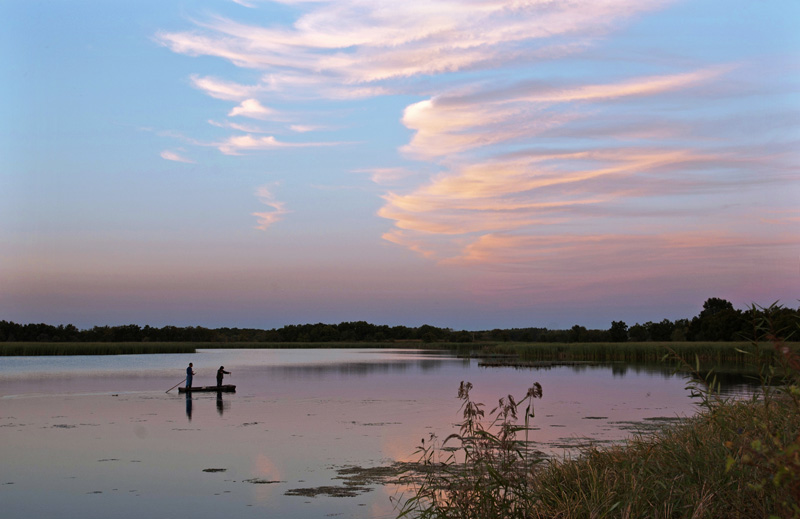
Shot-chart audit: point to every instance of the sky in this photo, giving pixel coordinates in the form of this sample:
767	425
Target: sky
468	164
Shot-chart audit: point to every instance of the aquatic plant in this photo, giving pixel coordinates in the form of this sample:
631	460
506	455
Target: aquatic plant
486	473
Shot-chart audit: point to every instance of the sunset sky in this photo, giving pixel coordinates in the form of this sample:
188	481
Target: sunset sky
471	164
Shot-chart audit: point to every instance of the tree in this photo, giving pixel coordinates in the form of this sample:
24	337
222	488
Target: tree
618	331
681	330
660	331
577	334
718	321
715	305
638	333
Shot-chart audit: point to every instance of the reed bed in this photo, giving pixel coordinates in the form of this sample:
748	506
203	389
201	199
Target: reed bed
641	352
683	471
93	348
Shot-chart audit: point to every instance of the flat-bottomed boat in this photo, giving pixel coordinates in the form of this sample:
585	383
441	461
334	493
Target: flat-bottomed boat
228	388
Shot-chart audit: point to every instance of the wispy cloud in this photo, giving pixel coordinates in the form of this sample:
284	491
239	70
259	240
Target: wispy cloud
692	263
221	89
246	128
175	157
241	143
305	128
351	43
447	125
277	212
786	217
389	176
542	170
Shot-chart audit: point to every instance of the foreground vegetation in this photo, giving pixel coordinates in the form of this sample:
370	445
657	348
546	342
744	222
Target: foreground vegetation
735	459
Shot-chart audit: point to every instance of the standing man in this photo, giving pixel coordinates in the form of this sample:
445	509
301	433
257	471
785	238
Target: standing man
189	375
220	373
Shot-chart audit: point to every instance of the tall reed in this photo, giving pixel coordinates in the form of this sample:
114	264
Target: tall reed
486	473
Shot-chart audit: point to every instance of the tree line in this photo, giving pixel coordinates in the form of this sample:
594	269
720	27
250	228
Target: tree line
718	321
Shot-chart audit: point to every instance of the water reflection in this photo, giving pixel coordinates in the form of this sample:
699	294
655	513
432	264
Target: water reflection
728	379
221	404
189	406
363	368
297	417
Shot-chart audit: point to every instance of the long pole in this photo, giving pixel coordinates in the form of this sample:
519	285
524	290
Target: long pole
176	385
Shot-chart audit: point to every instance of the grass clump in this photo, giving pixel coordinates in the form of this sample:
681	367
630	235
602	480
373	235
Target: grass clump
735	459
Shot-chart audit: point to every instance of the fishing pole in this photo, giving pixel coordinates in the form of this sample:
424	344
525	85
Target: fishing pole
176	385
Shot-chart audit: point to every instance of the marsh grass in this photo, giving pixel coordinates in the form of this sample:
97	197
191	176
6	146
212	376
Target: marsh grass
735	459
680	472
641	352
93	348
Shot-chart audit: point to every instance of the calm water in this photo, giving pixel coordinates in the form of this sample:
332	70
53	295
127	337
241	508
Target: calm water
100	437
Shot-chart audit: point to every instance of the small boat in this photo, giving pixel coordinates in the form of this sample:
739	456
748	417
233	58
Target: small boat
225	388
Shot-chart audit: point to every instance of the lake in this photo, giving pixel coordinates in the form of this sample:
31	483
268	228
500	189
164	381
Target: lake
98	436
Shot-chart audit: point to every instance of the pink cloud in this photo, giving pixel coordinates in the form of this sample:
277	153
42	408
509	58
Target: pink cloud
350	43
277	212
454	124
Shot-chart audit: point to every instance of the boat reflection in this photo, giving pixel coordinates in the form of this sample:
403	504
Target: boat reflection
222	404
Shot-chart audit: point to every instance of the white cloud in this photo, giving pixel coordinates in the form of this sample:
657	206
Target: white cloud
236	126
304	128
221	89
175	157
239	143
253	109
388	176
